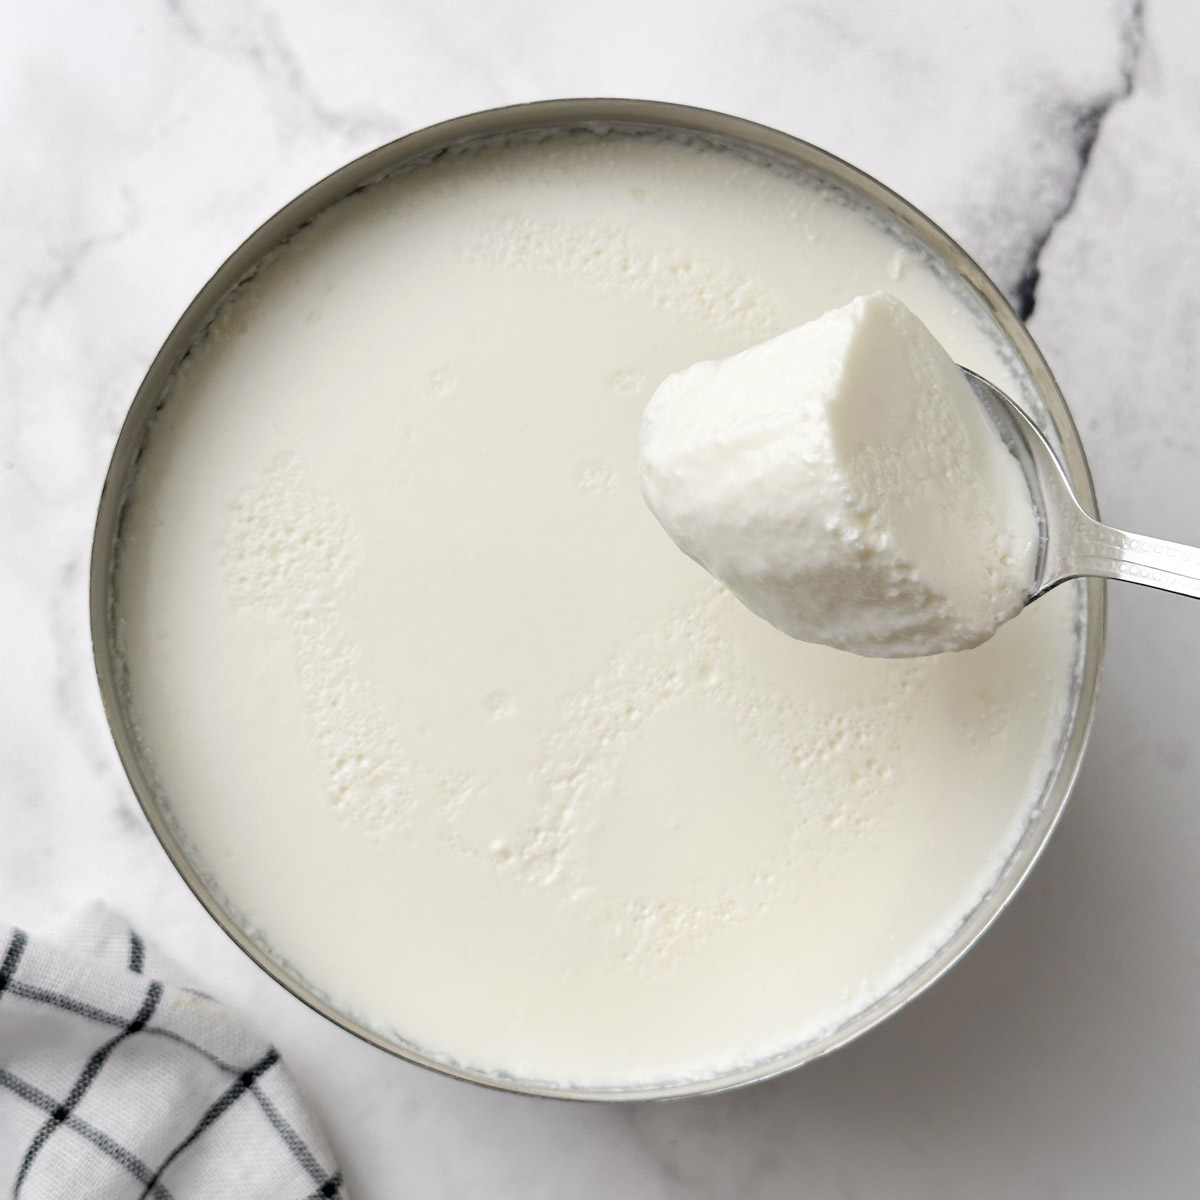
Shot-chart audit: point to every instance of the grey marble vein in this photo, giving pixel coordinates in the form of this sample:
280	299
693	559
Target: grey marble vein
255	36
1084	125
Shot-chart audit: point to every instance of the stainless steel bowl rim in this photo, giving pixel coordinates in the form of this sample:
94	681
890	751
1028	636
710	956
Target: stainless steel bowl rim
554	116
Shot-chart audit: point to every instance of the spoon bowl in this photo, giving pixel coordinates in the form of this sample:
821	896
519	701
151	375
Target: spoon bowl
1072	543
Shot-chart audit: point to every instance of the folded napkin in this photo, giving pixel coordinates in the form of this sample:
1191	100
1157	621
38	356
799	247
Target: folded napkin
117	1081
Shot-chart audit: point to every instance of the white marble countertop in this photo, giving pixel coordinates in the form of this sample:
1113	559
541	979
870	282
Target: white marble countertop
1058	141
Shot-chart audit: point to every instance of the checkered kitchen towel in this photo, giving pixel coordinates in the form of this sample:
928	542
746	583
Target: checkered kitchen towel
116	1083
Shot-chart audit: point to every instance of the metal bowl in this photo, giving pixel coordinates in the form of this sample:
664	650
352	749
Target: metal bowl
601	116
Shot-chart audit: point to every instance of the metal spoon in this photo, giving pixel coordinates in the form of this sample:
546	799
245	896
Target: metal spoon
1072	543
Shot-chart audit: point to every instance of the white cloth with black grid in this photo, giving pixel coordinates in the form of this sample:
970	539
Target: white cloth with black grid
118	1081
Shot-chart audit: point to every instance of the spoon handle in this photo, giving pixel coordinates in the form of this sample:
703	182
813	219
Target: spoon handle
1095	549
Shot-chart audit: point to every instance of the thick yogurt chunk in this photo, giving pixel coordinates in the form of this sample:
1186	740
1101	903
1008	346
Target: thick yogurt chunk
844	483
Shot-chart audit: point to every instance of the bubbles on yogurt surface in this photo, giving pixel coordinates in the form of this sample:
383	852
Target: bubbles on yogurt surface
293	552
610	259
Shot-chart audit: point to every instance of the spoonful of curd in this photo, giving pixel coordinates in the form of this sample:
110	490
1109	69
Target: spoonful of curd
853	486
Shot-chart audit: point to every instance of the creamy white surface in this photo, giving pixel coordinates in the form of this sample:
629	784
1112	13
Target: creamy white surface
439	709
844	483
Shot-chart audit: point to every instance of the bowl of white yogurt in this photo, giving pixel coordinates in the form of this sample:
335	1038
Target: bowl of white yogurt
423	704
